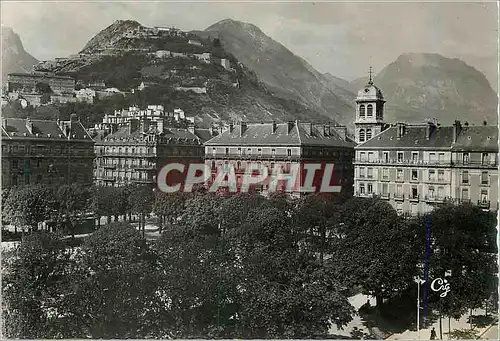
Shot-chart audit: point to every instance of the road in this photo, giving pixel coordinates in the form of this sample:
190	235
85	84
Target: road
491	334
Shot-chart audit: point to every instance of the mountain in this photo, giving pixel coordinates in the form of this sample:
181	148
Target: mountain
281	71
418	86
126	55
14	57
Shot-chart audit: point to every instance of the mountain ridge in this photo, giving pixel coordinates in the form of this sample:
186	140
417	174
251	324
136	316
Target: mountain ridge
14	56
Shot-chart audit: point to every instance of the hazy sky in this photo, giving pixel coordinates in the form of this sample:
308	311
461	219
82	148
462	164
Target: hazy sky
340	38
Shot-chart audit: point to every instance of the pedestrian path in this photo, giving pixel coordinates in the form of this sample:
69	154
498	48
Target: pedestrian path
462	323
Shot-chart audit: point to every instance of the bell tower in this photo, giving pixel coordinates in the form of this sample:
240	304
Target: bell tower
369	112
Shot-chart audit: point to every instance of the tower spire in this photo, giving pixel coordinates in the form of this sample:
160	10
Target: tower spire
370	82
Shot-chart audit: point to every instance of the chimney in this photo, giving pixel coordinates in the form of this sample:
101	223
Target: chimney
341	131
326	130
429	130
289	126
213	131
401	129
191	128
132	125
29	125
275	126
457	128
243	128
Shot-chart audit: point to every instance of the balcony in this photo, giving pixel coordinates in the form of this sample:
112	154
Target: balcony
144	167
474	164
414	197
395	162
485	205
399	196
246	157
109	166
433	198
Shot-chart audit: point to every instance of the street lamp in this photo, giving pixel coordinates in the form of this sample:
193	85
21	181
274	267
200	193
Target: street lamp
419	281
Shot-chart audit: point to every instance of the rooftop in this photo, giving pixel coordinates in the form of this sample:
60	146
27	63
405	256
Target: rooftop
17	128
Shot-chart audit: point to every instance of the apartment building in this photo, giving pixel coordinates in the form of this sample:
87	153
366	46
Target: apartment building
137	149
416	167
45	152
289	144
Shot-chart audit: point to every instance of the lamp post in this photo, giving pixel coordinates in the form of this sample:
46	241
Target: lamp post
419	281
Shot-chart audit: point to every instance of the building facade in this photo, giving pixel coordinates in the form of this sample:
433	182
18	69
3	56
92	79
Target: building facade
290	144
26	82
416	167
45	152
136	151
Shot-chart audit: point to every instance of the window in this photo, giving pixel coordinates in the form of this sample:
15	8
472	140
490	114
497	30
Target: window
440	192
239	151
400	156
370	173
362	188
465	194
368	134
431	192
414	209
441	175
227	151
371	157
414	174
362	172
484	195
39	178
249	151
361	135
484	159
14	164
484	178
238	165
414	157
399	190
465	158
441	157
213	151
362	111
273	152
370	188
386	157
399	208
465	177
432	157
432	175
369	110
385	173
384	189
362	156
399	174
414	192
289	152
213	165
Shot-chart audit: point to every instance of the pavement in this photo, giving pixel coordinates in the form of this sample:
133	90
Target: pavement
487	332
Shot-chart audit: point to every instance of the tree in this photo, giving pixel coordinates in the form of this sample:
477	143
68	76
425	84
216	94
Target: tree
117	295
141	201
102	202
463	240
376	249
29	205
37	280
168	206
73	201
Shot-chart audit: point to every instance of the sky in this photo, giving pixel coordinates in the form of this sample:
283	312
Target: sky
342	38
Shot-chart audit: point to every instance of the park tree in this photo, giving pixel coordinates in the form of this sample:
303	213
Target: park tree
117	293
285	292
37	281
462	244
141	200
29	205
376	249
168	207
101	202
72	201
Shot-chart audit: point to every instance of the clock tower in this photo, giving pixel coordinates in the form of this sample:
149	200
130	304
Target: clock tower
369	112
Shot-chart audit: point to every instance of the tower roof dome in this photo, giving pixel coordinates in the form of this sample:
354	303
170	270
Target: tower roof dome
370	92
